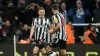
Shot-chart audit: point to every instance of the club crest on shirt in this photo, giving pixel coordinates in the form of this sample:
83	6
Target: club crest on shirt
41	26
55	20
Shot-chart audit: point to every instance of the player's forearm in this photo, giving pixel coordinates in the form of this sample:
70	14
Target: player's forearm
32	31
56	28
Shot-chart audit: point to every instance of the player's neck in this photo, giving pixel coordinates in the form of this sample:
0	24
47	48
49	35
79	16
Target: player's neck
41	17
56	11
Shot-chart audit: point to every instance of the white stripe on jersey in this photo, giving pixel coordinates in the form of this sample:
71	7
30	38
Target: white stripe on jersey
59	18
41	35
39	22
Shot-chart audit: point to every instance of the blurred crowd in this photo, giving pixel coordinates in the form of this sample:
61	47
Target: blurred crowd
16	18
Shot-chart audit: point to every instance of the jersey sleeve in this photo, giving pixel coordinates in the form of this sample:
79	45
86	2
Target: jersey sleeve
33	21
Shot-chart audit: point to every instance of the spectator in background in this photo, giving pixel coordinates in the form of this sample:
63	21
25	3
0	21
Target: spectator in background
70	33
10	11
57	1
78	15
21	10
97	18
63	10
9	28
90	36
97	13
25	32
25	35
30	13
6	31
5	38
48	10
21	3
90	5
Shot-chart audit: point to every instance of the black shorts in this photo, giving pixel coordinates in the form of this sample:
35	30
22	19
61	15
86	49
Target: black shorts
61	44
39	44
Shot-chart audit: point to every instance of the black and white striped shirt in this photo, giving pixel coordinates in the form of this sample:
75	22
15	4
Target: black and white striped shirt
41	29
61	33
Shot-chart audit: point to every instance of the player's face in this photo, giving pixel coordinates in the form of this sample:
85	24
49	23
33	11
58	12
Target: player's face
41	12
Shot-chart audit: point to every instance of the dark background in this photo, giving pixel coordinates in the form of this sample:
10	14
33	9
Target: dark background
79	50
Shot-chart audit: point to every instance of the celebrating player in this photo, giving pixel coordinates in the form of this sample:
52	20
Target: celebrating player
40	27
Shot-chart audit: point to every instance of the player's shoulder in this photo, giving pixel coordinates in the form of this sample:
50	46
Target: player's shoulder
47	18
60	14
35	18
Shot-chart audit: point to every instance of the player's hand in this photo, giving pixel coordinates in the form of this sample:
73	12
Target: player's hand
31	39
51	31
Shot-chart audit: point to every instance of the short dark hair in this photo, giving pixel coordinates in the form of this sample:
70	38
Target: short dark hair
41	8
55	6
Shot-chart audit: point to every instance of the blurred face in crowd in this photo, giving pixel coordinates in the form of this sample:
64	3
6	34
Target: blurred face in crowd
22	2
57	1
92	28
10	4
79	5
4	34
70	23
0	27
7	23
47	2
63	6
25	26
41	13
31	7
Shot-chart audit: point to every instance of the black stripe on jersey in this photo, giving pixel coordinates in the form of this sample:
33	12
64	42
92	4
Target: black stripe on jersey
41	29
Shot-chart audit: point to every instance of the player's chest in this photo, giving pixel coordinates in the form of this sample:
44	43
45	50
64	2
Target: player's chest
41	23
